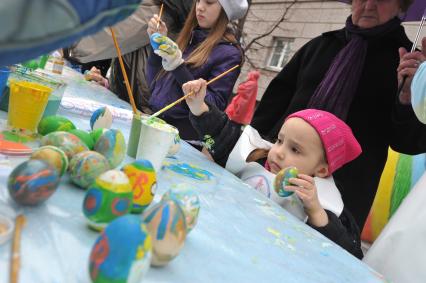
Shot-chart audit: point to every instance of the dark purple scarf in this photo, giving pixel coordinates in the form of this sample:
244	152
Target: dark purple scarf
336	91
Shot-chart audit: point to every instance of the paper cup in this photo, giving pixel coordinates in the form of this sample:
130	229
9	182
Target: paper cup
26	104
155	140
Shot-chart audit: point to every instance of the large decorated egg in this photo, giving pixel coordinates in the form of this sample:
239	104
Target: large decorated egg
174	148
52	155
96	134
108	198
84	136
122	253
86	166
113	146
281	180
32	182
101	118
69	143
143	180
188	201
166	224
52	124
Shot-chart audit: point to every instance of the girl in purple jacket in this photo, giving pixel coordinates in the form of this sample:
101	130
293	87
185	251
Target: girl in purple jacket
205	48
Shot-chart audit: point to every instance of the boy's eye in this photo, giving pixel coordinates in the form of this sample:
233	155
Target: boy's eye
295	149
278	141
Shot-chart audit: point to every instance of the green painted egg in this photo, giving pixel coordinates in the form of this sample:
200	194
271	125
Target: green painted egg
96	134
54	124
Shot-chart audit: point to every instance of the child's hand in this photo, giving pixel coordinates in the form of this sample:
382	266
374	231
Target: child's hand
304	187
152	26
169	51
95	75
196	100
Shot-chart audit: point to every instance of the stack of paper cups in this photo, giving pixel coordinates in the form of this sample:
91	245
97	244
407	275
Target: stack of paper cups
155	141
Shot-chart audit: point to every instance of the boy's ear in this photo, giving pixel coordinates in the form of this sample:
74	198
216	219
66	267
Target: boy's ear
322	170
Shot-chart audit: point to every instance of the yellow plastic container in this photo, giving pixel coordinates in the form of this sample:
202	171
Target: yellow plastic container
26	104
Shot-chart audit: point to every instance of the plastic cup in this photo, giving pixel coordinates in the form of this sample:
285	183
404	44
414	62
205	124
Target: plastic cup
4	75
155	141
27	102
135	132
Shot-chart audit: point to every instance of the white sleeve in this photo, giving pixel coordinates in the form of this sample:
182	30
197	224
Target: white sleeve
329	195
248	141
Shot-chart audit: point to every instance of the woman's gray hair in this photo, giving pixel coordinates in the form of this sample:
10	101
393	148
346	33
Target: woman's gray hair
403	4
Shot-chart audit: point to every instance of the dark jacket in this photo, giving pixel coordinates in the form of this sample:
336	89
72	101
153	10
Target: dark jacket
376	117
221	135
168	88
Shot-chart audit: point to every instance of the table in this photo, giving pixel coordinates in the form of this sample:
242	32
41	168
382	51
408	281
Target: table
241	236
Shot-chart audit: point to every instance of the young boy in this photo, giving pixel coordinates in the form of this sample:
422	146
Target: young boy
315	142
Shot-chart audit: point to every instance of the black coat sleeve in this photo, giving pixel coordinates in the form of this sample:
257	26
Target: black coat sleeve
277	96
408	133
218	133
343	231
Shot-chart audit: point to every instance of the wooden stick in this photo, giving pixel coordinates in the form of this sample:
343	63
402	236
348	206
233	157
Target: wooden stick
123	70
15	260
159	16
191	93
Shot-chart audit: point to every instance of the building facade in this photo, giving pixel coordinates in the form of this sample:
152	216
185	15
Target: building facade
275	29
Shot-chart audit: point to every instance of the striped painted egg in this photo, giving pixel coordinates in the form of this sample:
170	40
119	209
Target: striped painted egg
122	252
143	180
112	145
166	224
101	118
52	155
107	199
32	182
188	201
86	166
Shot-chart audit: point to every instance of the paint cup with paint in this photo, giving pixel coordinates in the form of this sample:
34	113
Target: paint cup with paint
155	140
135	132
27	102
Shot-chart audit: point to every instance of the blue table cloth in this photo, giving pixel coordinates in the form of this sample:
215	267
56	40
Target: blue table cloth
241	236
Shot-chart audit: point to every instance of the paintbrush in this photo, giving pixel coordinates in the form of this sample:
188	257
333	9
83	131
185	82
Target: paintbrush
15	259
160	15
191	93
123	70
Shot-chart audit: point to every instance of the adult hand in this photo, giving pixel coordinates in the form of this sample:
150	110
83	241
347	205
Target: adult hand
304	187
152	26
195	102
408	65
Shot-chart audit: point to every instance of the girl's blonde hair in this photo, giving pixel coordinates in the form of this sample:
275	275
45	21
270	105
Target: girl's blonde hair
218	32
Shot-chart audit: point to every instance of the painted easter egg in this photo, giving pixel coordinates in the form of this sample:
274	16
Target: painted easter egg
96	134
166	224
86	166
84	136
122	252
155	40
113	146
174	148
52	124
188	201
69	143
101	118
53	155
143	180
32	182
281	180
108	198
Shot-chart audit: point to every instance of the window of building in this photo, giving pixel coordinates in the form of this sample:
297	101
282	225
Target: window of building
280	53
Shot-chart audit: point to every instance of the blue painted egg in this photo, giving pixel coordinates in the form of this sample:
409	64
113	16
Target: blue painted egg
101	118
122	253
188	201
112	145
33	182
107	199
166	224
